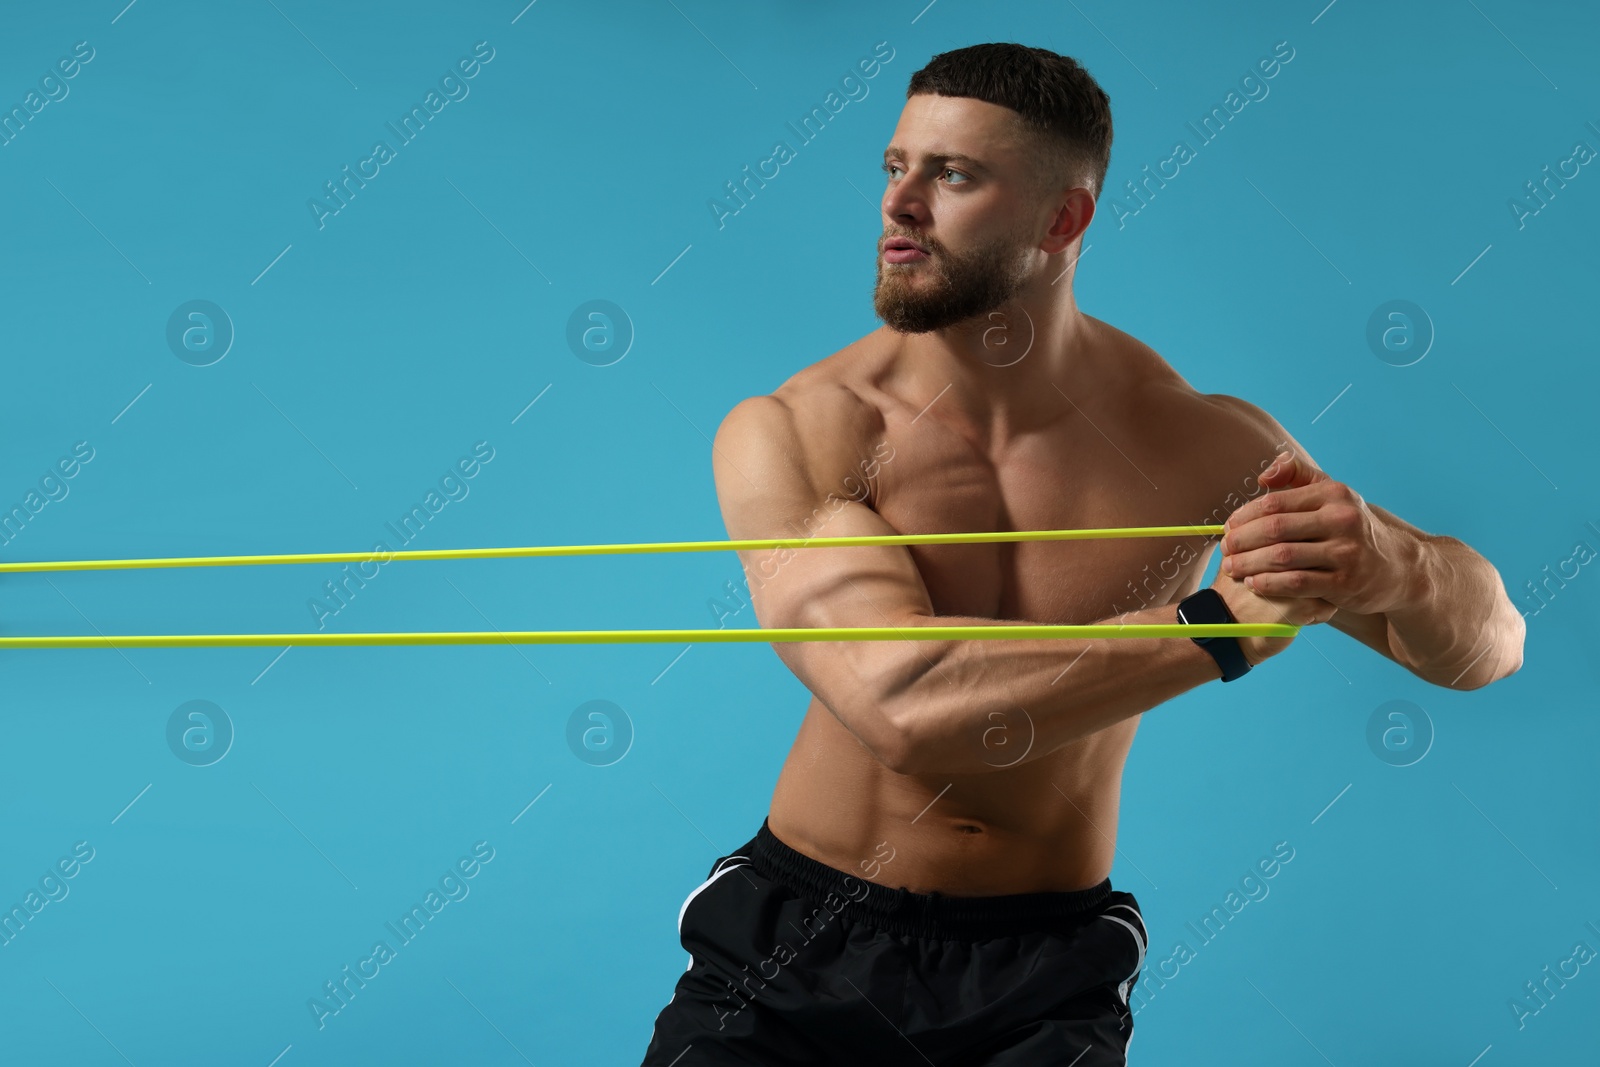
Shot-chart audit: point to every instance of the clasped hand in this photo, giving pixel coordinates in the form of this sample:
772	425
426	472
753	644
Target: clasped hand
1311	536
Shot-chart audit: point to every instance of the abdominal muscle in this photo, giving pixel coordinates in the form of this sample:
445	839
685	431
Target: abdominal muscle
1045	825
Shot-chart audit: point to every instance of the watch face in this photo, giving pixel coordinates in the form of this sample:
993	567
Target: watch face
1206	606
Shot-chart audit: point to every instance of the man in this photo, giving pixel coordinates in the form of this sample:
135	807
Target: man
931	884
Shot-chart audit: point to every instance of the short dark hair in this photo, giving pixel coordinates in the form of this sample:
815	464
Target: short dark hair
1055	97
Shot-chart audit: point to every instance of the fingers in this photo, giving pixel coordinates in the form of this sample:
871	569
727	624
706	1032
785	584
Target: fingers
1313	556
1298	498
1298	583
1274	527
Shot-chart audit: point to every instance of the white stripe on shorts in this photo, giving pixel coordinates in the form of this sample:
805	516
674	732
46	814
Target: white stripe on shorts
1143	940
1138	940
718	872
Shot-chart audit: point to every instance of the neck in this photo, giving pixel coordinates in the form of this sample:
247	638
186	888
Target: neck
1010	371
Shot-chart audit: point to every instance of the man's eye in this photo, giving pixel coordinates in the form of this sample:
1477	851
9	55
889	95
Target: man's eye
891	168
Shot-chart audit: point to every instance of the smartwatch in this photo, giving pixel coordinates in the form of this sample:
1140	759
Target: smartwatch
1207	606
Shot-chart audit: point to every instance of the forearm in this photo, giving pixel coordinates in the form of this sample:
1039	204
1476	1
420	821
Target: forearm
1455	626
974	706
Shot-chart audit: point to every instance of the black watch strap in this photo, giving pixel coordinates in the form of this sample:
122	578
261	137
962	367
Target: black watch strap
1207	606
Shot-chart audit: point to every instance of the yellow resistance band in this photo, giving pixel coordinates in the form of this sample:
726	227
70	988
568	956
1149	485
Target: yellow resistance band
618	550
590	637
603	637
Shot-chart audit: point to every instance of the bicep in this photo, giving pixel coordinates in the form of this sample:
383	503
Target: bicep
774	481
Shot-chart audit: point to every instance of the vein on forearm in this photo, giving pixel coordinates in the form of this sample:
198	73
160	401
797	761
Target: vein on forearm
1453	616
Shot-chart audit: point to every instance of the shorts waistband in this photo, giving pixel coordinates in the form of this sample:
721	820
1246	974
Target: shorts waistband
927	915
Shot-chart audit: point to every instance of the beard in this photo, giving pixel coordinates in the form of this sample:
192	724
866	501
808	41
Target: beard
959	286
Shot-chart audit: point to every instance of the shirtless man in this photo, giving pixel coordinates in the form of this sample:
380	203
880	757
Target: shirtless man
932	881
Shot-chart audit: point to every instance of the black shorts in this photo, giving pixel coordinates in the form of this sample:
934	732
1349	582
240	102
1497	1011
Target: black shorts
794	962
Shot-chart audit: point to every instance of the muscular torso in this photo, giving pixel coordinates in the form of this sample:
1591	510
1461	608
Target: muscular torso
1125	456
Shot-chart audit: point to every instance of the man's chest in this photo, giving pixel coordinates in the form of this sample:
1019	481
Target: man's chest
939	482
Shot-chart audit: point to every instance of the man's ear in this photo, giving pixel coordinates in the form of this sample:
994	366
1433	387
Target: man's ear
1072	217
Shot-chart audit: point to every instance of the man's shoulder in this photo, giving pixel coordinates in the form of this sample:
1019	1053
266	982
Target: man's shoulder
1228	427
828	401
821	416
1224	429
843	378
1247	427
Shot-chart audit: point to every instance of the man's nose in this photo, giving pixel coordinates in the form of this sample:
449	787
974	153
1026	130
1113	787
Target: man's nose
905	201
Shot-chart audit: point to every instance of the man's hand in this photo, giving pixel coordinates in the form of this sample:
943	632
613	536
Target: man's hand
1246	606
1311	536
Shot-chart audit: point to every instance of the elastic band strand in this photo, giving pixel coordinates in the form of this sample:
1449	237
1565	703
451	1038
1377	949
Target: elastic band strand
604	637
618	549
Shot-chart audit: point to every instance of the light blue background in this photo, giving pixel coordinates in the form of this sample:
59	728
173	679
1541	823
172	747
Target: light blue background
432	309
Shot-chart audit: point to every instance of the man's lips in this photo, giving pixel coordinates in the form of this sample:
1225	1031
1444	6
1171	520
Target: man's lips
903	250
